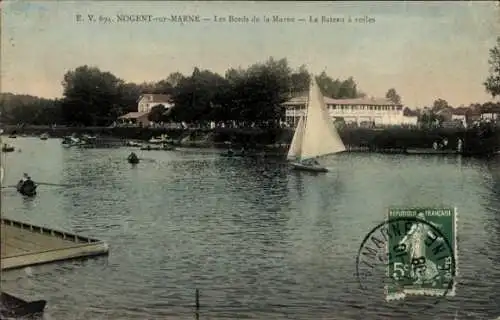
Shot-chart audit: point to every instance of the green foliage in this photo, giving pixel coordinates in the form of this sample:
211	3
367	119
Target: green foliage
492	83
250	97
29	109
90	96
157	113
393	96
439	105
338	89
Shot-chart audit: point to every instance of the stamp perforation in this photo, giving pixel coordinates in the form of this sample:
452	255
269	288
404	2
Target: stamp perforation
400	292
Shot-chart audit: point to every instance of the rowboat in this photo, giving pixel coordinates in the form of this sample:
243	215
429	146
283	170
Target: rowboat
7	148
430	151
133	159
13	307
133	144
26	188
157	147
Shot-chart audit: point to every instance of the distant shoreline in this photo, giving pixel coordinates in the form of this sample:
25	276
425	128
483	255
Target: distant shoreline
371	139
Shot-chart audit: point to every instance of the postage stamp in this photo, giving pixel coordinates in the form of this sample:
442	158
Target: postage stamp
422	255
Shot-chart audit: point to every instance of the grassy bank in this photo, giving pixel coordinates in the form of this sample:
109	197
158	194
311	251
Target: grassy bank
357	137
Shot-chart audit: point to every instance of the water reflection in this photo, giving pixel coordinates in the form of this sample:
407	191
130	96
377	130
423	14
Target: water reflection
258	186
249	233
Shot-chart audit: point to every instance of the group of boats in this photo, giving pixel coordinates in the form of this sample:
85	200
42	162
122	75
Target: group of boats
75	141
6	147
163	142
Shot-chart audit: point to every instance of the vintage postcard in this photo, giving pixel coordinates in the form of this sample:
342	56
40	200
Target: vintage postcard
237	159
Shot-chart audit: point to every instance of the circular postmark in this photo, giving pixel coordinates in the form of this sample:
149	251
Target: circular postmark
409	256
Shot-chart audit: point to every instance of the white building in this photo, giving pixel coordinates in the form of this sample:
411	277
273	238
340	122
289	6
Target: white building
378	111
460	117
147	101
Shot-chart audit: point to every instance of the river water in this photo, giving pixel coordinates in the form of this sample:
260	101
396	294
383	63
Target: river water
258	240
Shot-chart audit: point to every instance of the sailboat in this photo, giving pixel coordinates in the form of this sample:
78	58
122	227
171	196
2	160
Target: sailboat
315	135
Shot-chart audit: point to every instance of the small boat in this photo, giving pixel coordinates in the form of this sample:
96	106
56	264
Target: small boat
315	135
168	147
308	167
430	151
70	141
133	158
133	144
159	140
26	188
44	136
12	136
88	138
13	307
7	148
230	153
150	148
165	147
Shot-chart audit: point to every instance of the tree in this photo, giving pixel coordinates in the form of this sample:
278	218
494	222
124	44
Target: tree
90	95
195	96
410	113
300	80
175	78
16	109
157	113
129	94
393	96
492	83
337	89
439	105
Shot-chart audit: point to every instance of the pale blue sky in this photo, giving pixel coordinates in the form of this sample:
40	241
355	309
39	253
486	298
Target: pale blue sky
424	50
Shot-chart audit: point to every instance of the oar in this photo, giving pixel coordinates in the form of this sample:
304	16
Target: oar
54	184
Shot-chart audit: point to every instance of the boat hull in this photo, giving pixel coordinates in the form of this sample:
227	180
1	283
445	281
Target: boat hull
133	161
303	167
26	189
431	151
16	307
158	148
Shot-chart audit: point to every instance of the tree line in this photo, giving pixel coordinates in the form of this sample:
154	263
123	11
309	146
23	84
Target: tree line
92	97
249	96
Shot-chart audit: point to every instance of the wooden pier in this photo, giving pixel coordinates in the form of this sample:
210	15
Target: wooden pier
24	244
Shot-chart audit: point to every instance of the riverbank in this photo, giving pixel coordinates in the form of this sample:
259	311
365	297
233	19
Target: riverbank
477	140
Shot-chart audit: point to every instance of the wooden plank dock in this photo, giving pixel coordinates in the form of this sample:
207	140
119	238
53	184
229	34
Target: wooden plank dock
24	244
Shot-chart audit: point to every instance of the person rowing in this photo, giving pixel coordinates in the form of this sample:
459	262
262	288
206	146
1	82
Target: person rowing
25	178
26	186
133	158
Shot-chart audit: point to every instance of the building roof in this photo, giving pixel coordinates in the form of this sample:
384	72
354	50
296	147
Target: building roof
133	115
357	101
156	98
446	109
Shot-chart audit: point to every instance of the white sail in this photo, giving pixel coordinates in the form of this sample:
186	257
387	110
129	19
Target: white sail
296	144
320	137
